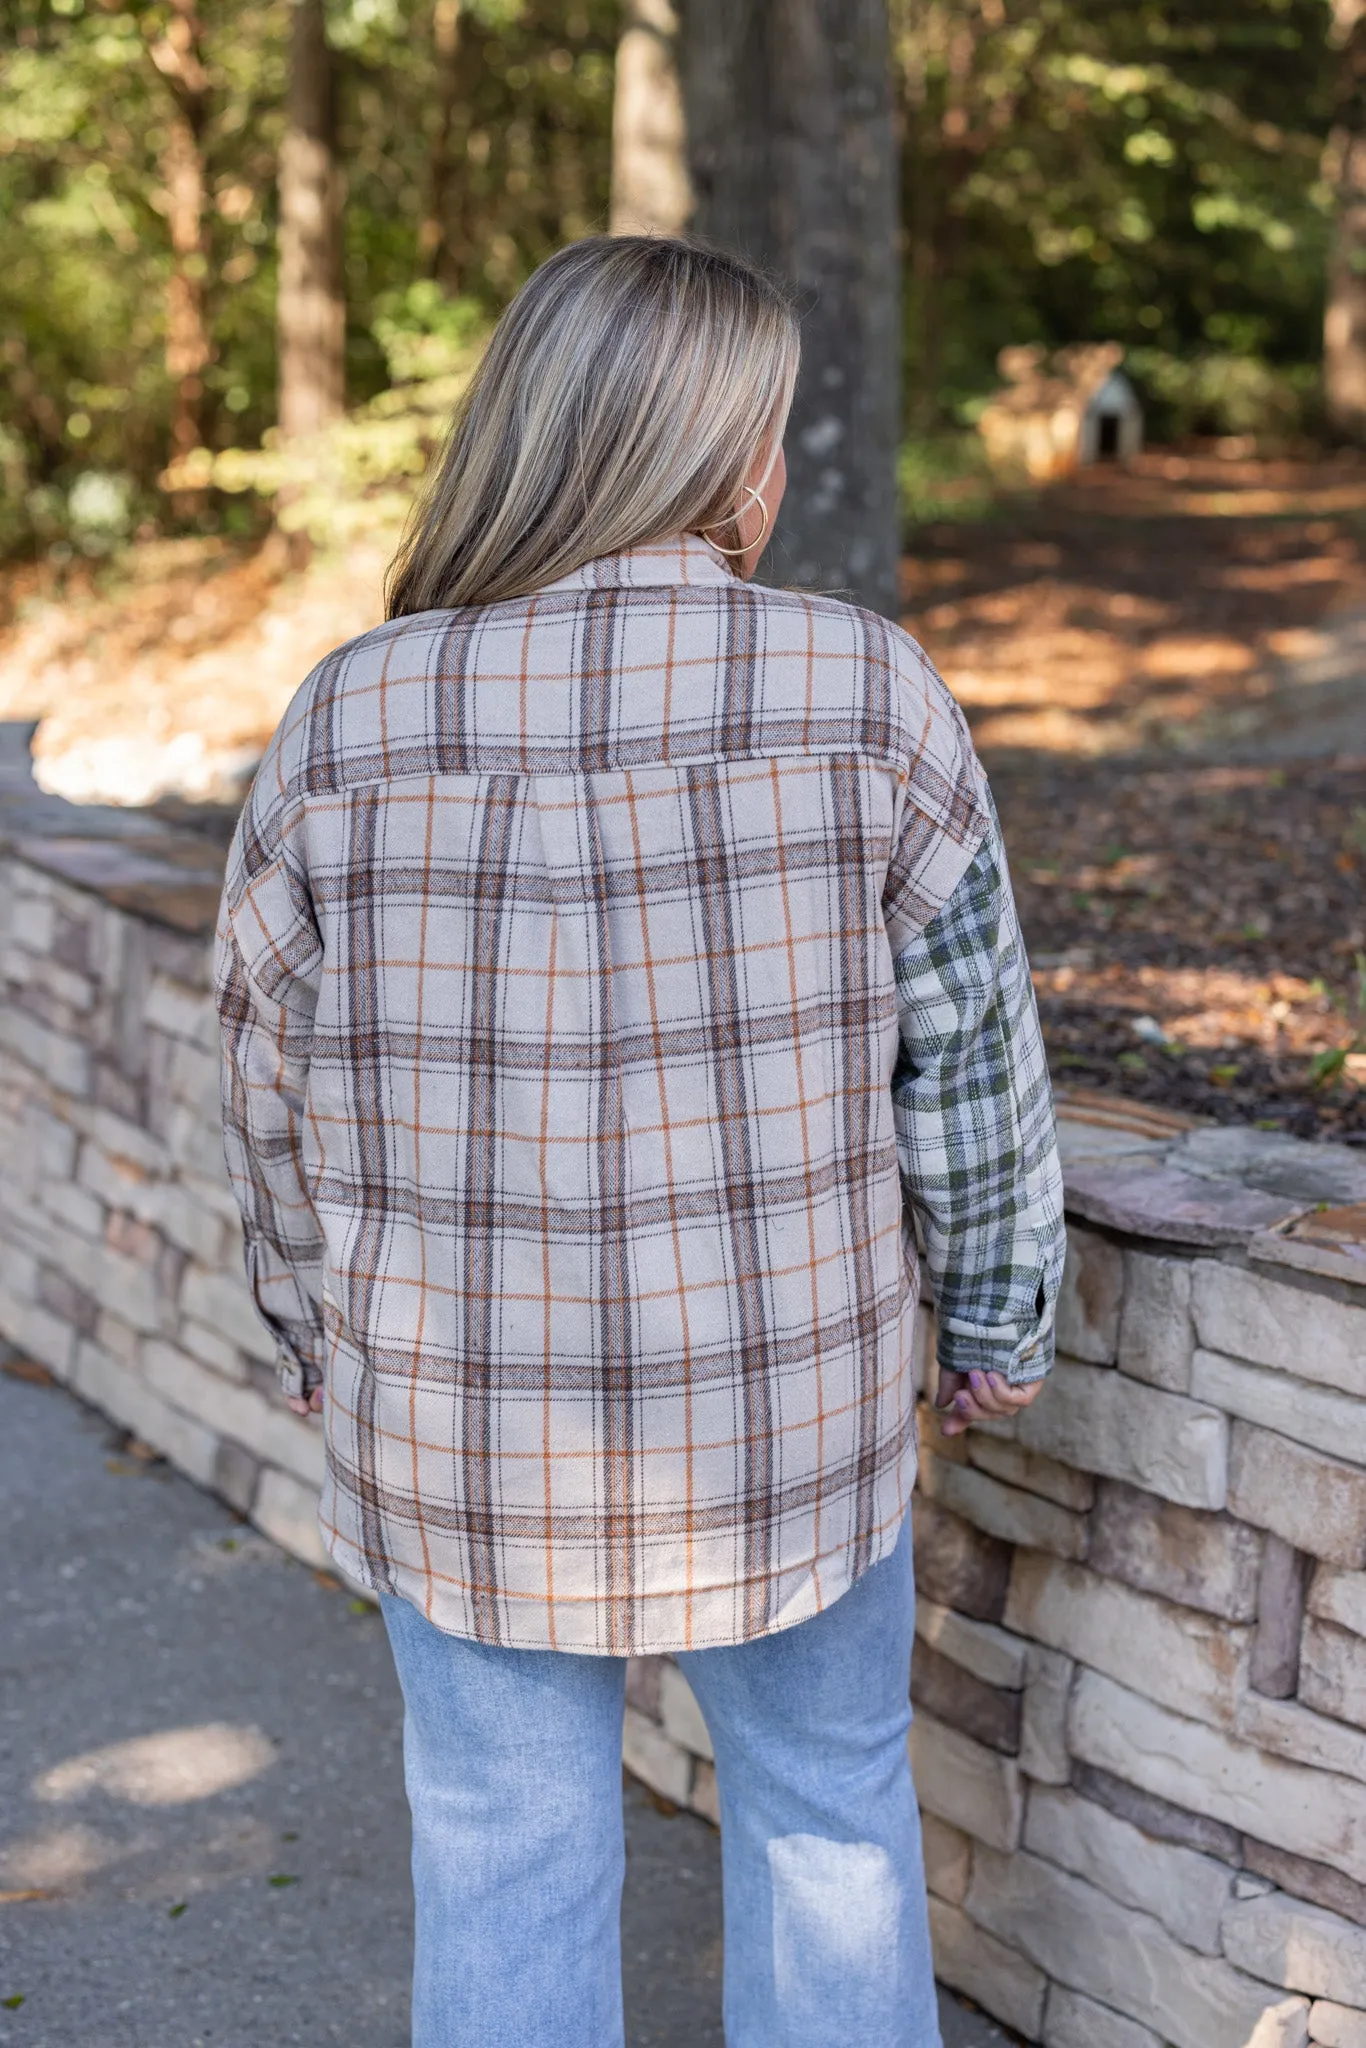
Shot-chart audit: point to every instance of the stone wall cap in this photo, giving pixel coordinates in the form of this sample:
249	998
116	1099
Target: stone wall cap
1094	1126
28	812
1096	1106
1303	1170
1329	1242
1154	1198
170	878
1083	1143
1159	1174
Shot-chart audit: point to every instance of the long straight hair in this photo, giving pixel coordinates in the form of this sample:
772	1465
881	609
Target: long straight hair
622	399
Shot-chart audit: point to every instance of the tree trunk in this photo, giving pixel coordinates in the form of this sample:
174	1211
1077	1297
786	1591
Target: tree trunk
178	57
650	189
311	307
440	238
187	335
793	159
1344	325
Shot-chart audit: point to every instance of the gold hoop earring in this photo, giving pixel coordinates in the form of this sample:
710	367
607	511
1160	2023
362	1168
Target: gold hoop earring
735	520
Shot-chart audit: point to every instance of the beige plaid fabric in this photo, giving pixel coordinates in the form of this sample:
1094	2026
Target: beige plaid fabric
556	972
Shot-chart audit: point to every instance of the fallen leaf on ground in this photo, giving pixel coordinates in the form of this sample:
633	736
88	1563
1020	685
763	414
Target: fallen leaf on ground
28	1369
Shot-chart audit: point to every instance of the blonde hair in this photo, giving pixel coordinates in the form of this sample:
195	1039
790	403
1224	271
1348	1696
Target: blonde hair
623	398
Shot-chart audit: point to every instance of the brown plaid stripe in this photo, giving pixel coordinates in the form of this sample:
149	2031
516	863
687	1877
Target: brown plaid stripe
560	1018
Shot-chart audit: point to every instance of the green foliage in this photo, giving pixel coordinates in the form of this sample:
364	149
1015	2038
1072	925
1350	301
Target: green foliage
1221	393
424	334
360	476
1073	170
85	253
1149	174
943	476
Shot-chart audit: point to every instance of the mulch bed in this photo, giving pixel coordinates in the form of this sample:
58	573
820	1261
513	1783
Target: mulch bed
1198	934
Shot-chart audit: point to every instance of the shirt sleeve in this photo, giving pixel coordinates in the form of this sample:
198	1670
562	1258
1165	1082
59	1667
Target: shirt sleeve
975	1130
268	961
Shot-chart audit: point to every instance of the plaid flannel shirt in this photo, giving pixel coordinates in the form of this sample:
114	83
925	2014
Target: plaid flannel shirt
598	971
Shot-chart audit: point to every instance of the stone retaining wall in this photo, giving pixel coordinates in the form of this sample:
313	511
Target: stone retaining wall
1140	1672
120	1247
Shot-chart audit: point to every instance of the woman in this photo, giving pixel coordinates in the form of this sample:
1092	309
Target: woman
608	945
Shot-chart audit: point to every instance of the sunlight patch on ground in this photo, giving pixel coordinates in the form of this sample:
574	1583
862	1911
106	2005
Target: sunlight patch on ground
167	1769
172	683
1132	616
145	1863
1185	655
56	1858
1216	1008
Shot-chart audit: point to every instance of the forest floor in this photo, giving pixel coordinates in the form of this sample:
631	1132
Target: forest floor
1165	670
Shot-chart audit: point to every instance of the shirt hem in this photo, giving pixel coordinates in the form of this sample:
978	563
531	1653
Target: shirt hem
806	1603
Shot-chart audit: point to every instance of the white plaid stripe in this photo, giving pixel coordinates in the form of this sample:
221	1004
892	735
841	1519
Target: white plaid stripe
560	1016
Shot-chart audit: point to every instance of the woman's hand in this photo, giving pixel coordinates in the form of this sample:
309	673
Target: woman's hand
313	1405
978	1397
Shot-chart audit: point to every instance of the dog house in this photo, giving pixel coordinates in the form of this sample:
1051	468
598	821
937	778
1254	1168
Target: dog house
1112	424
1062	412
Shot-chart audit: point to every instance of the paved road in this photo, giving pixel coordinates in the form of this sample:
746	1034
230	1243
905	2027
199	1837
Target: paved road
200	1769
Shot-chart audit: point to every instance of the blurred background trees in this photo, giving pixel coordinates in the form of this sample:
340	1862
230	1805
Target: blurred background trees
1344	326
223	217
651	189
1149	174
170	174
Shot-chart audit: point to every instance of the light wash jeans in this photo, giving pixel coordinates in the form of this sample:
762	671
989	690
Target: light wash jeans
513	1763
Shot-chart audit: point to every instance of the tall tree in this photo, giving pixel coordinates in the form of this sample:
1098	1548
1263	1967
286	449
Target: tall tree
440	238
311	306
793	157
650	189
178	55
1344	325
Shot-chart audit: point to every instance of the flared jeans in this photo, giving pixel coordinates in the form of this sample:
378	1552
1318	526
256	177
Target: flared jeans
513	1766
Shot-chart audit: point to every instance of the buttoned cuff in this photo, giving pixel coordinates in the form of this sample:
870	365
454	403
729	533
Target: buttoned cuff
299	1377
1021	1357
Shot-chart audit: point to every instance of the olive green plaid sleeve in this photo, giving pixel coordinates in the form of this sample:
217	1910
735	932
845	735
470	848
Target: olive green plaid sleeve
975	1128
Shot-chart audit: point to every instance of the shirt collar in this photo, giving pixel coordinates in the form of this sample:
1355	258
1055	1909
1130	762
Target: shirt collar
686	559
